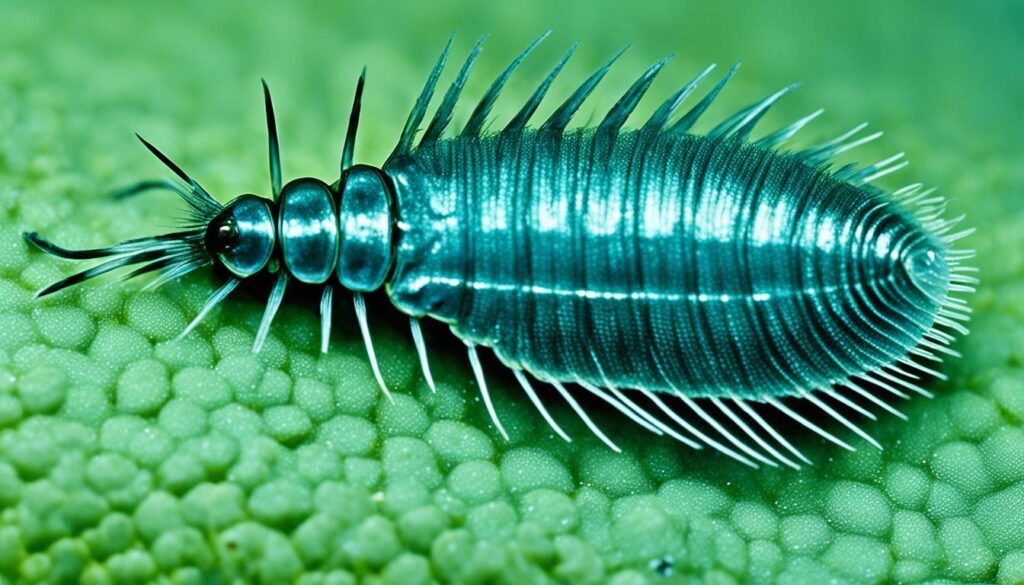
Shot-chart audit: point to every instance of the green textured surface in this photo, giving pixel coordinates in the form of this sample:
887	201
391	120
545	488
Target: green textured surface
128	457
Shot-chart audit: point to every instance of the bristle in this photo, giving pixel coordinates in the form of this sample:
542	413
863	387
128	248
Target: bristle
483	109
617	116
561	117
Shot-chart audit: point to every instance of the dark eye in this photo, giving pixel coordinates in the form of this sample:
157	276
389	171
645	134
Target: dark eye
227	235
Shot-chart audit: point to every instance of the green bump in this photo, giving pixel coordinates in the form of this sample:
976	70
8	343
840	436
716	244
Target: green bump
85	404
911	571
407	569
235	420
402	495
456	442
552	510
1008	391
448	403
859	558
999	517
288	424
961	465
420	526
182	547
151	446
13	297
184	353
42	389
118	346
133	566
577	561
10	485
316	463
363	471
231	341
475	482
973	416
356	392
348	435
68	327
201	386
213	506
754	520
143	387
275	389
642	531
858	508
11	410
450	552
945	501
315	398
182	418
13	253
617	474
157	514
412	459
346	503
12	550
215	451
1003	453
493	520
16	331
373	543
180	472
765	561
103	301
117	433
115	533
687	498
405	416
68	557
84	509
525	469
243	373
534	543
81	370
314	538
914	537
108	472
35	568
1011	569
282	502
155	316
968	557
907	486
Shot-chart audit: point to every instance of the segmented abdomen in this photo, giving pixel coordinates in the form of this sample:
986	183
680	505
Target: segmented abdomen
658	261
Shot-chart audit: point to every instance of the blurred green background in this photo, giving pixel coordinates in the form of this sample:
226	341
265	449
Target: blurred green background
126	456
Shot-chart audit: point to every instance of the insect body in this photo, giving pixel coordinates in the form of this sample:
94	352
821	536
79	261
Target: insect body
648	263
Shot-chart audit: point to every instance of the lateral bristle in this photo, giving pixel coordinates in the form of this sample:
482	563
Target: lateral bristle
443	116
783	134
690	118
561	117
419	109
740	124
750	433
479	116
520	120
660	117
618	114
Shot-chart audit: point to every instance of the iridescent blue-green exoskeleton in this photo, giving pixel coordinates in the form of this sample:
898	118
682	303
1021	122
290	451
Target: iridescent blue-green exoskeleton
654	263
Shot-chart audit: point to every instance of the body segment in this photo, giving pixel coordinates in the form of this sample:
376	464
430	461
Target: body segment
657	261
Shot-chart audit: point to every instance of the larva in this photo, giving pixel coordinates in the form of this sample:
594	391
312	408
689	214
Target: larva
642	265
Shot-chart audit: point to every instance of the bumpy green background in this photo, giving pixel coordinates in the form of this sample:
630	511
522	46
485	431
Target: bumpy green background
127	457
